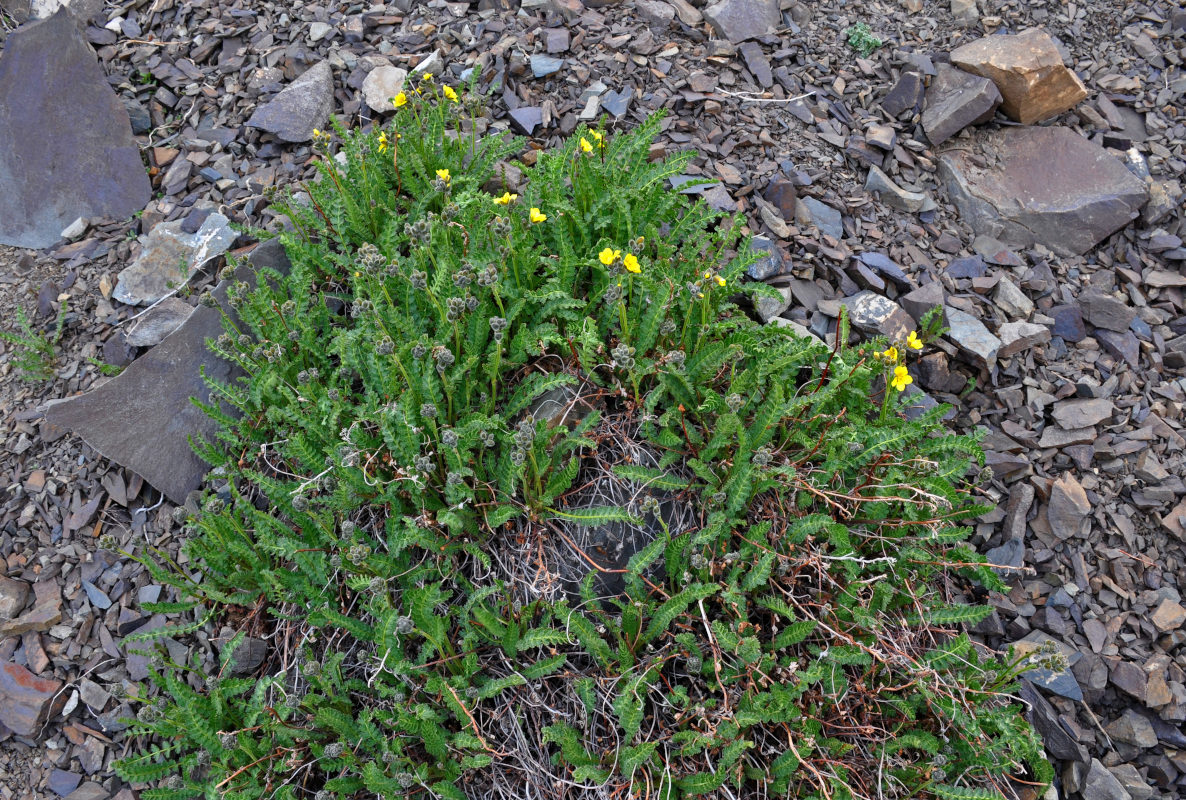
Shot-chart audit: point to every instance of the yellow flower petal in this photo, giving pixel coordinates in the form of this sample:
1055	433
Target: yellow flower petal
588	148
400	100
444	175
720	281
631	263
891	355
901	378
537	215
608	256
450	93
506	199
913	342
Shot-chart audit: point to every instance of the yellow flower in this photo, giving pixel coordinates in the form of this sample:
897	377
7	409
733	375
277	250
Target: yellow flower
537	215
596	136
382	142
913	342
720	281
901	378
449	93
444	175
316	133
426	77
585	146
609	256
400	100
506	199
631	263
891	355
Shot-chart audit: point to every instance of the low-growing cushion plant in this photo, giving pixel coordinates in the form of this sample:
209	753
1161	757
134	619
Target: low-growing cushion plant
435	400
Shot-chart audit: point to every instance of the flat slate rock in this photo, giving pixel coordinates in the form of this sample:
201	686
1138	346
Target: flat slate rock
738	20
68	149
170	257
1047	186
302	107
142	418
161	320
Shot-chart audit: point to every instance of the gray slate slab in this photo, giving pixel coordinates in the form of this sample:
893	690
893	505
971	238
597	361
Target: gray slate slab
53	168
302	107
1048	186
142	418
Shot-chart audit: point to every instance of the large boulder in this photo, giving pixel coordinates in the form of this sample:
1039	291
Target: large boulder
738	20
68	150
1048	186
1027	68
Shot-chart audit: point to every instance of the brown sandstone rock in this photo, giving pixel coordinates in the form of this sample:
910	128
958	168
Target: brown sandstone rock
1028	70
27	701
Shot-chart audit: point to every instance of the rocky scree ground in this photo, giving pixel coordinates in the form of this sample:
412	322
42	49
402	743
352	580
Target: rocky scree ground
1082	399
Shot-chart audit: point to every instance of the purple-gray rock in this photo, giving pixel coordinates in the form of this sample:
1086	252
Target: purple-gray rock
617	103
1068	323
170	257
956	99
1048	186
1105	311
970	335
54	167
921	300
883	265
161	320
967	267
1121	346
1082	413
1132	728
526	119
1068	507
1045	720
738	20
542	66
1018	336
781	194
1102	785
757	63
769	307
895	196
62	782
906	95
302	107
142	418
826	218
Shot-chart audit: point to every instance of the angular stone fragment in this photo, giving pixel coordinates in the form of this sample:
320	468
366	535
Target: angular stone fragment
1102	785
27	701
53	168
1105	311
1132	728
877	315
170	257
1042	185
13	594
1012	300
921	300
738	20
1082	413
1018	336
906	95
1028	70
895	196
767	308
381	85
164	318
142	418
1175	520
46	611
955	100
1068	507
770	260
302	107
1168	616
970	335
